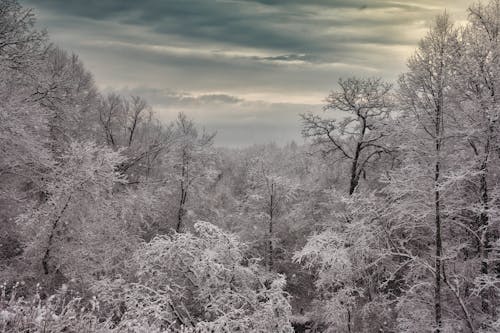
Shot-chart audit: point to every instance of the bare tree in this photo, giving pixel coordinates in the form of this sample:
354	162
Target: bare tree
136	110
111	113
424	93
357	133
270	192
192	161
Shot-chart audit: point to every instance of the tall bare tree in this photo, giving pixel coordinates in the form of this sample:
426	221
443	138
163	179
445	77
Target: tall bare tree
424	92
356	133
191	161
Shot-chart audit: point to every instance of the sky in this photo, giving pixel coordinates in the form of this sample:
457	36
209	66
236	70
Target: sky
243	68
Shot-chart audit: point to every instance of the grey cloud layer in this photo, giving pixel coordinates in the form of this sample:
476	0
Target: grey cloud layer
297	26
272	58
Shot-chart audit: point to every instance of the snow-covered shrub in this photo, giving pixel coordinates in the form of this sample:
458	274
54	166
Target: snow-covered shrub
62	312
197	282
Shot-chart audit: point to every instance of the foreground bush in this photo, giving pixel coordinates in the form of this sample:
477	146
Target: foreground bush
199	282
61	312
189	282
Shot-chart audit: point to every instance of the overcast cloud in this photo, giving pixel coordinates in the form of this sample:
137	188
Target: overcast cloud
245	68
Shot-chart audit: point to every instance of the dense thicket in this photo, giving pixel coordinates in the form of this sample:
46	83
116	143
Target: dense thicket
387	220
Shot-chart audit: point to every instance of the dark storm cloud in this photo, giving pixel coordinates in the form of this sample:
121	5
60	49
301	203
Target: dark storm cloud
296	26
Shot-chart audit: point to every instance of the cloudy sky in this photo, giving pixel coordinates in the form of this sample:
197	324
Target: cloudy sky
245	68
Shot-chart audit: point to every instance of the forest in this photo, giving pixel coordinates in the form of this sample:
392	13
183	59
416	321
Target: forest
387	218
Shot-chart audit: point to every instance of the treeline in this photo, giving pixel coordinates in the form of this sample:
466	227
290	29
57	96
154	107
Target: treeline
386	221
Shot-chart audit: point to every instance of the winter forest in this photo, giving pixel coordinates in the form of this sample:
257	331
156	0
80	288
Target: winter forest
387	218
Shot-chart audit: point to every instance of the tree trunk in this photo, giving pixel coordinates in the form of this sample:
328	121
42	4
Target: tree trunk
437	266
355	173
46	256
181	211
184	191
354	176
484	224
437	222
270	235
484	220
348	320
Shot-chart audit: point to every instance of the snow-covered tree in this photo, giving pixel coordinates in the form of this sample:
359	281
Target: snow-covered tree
201	282
476	87
80	231
425	95
188	169
24	152
349	259
270	194
20	43
66	92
